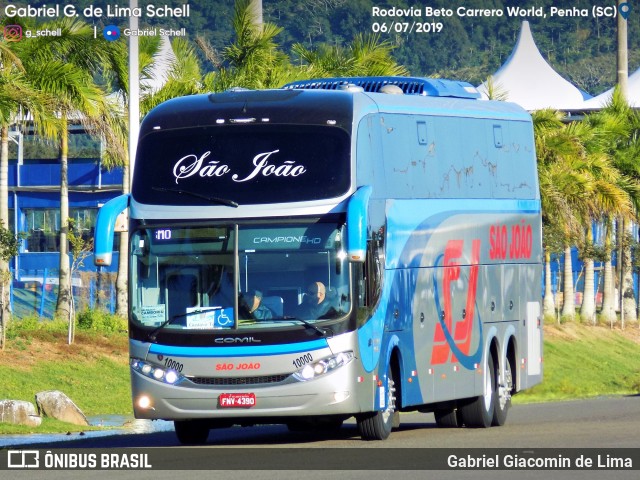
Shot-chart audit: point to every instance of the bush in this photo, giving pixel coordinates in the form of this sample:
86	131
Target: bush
101	321
33	323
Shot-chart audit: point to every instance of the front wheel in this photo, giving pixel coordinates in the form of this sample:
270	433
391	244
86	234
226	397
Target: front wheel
378	425
479	412
191	433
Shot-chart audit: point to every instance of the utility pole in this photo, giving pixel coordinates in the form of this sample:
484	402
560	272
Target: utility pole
134	91
622	64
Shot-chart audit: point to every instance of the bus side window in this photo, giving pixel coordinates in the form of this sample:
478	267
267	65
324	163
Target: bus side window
372	274
369	281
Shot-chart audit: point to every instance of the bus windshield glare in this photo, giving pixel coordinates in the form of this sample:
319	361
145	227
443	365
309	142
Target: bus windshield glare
187	277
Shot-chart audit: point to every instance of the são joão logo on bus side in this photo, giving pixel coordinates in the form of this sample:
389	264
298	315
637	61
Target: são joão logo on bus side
446	341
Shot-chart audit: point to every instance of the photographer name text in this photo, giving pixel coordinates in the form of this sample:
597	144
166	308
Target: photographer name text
91	11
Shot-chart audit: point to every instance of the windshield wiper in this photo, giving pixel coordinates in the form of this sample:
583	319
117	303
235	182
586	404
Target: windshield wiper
303	322
221	201
152	335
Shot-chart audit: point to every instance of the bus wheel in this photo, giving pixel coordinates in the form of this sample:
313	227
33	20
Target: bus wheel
191	433
448	418
479	412
378	425
503	394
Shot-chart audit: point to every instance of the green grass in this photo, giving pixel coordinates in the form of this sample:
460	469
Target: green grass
93	372
579	362
97	385
49	425
583	362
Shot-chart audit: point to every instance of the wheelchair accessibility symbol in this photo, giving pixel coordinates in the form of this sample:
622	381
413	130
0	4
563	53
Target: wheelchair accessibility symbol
210	317
223	320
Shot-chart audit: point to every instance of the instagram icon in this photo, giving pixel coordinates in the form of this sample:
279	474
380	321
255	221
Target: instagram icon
13	33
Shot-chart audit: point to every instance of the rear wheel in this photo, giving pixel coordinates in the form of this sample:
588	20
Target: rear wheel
479	412
447	418
378	425
503	394
189	432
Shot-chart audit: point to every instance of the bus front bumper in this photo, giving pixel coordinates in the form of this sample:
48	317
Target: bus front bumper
343	392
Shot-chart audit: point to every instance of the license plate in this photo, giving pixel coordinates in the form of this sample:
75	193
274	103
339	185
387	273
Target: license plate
237	400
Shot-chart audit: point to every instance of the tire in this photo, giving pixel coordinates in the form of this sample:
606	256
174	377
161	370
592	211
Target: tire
378	425
479	412
448	418
504	389
189	432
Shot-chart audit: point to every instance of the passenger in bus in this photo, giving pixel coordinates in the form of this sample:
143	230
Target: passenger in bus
256	309
220	291
315	303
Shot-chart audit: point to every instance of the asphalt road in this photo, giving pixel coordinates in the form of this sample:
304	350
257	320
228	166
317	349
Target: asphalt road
603	423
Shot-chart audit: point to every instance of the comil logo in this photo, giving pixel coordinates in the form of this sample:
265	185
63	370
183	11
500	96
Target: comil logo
111	33
23	459
12	33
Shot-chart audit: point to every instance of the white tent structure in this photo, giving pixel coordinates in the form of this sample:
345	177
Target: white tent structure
633	94
528	80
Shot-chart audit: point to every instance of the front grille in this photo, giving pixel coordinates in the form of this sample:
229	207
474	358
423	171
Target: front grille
225	381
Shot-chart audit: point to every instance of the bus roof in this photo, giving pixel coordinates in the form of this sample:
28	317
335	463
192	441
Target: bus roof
432	87
316	105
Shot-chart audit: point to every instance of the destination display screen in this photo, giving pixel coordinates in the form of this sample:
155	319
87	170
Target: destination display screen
242	164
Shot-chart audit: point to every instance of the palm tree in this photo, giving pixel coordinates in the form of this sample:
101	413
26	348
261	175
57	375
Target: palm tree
580	184
253	60
18	98
609	198
64	68
619	127
183	75
367	55
562	187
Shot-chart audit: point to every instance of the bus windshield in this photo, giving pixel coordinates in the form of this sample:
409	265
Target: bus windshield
243	164
239	277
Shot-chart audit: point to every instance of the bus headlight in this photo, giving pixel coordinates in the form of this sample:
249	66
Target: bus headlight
321	367
153	371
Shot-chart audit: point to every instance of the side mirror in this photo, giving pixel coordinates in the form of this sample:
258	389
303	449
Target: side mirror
357	214
105	228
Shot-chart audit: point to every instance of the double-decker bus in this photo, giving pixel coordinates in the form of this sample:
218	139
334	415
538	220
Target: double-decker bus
338	248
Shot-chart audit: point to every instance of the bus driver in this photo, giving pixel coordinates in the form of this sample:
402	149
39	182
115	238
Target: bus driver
314	304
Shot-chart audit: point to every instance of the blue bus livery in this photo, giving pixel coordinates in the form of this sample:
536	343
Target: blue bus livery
337	248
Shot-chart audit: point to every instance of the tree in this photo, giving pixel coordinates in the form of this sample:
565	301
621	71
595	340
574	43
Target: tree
560	190
80	250
576	185
64	68
9	244
17	99
253	60
367	55
619	128
183	74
